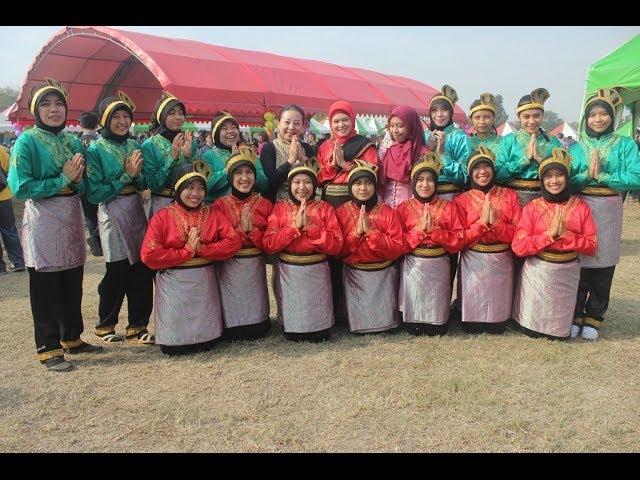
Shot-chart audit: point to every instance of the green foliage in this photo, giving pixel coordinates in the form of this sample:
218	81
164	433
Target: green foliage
8	95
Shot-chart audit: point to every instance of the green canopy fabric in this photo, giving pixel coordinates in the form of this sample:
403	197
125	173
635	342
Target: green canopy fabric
620	68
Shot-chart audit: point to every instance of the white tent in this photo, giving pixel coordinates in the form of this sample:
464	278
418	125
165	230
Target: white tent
565	129
504	129
5	124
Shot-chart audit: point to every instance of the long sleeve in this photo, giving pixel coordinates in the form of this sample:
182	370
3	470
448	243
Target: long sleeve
509	216
32	172
456	155
387	239
99	189
626	173
154	252
326	234
262	182
583	239
228	241
217	183
327	172
280	231
275	176
448	231
154	167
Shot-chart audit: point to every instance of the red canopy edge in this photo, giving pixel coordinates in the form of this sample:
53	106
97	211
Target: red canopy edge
94	61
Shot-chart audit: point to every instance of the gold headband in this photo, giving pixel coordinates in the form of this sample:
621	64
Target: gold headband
361	166
303	169
123	99
164	104
559	156
428	160
447	93
538	97
187	176
53	85
608	95
245	154
218	124
482	153
487	102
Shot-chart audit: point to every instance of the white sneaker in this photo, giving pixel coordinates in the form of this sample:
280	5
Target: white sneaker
589	333
575	330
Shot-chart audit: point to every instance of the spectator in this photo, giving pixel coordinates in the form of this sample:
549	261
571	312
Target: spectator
8	221
263	139
207	145
89	124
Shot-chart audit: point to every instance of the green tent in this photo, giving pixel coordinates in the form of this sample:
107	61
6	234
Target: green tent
189	127
620	68
140	128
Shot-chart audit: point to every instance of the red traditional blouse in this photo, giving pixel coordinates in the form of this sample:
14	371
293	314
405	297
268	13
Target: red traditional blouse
321	235
385	241
505	205
330	174
260	208
532	233
165	243
446	230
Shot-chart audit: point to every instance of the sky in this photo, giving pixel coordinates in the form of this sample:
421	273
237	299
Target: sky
510	61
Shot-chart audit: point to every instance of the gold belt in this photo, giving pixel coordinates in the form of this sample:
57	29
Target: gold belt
128	190
448	188
557	257
165	192
372	266
429	252
248	252
196	262
308	259
522	184
490	248
599	192
65	192
336	190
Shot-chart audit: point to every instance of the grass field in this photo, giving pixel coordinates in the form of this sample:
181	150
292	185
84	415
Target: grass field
389	393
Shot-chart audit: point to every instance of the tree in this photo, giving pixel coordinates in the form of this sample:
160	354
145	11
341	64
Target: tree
8	95
550	120
501	113
575	126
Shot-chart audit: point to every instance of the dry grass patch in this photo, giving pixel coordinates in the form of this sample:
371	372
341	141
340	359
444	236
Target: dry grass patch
375	393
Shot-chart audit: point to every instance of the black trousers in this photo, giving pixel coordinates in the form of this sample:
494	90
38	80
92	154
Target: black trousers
134	281
594	291
91	218
56	299
178	350
337	285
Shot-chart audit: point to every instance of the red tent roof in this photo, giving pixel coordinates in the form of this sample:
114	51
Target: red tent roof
94	62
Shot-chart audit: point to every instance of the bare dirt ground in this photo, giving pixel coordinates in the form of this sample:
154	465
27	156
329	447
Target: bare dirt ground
458	393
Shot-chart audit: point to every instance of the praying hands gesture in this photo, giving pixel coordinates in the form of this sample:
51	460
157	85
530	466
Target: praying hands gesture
176	145
439	141
74	168
364	222
337	159
557	228
594	165
487	214
296	152
133	165
245	219
532	151
301	219
193	241
426	222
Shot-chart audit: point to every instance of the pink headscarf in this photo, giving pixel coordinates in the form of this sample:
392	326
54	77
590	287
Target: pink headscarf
400	157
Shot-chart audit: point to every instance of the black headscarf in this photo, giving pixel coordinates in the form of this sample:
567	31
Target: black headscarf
39	122
314	181
161	127
473	185
180	172
587	129
234	191
564	195
414	184
106	131
373	200
215	132
442	103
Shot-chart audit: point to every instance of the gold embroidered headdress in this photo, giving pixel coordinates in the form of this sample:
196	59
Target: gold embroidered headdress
481	153
51	85
305	168
121	99
538	97
244	155
447	93
559	158
608	95
487	102
165	99
428	160
362	166
198	169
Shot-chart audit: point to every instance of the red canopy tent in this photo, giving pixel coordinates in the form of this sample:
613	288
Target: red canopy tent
93	62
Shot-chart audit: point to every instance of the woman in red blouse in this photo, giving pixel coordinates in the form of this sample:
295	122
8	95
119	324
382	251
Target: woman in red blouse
336	159
432	229
182	241
243	278
304	231
552	232
489	216
373	239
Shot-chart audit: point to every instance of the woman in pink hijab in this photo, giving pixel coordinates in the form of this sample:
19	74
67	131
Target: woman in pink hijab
407	148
